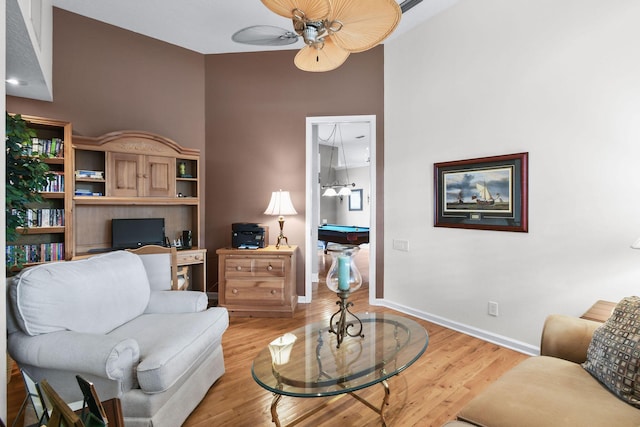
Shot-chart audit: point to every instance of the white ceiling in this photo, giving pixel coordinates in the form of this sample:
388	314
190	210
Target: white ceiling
352	139
203	26
206	26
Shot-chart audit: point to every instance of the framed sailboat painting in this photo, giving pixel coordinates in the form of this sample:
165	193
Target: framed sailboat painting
487	193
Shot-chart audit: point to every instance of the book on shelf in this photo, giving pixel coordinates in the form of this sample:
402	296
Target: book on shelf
55	184
89	174
42	252
85	192
53	147
46	217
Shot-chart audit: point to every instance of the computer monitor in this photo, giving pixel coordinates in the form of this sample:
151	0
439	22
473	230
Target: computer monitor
130	233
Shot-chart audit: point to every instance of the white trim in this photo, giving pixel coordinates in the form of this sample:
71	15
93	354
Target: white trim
311	195
500	340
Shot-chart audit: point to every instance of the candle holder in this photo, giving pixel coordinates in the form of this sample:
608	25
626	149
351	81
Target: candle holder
344	278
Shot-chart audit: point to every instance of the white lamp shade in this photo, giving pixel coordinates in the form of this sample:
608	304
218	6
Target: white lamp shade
280	204
344	191
330	192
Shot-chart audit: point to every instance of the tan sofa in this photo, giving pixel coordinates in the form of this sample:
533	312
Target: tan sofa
552	389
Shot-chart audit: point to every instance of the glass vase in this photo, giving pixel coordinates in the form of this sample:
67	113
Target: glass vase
343	276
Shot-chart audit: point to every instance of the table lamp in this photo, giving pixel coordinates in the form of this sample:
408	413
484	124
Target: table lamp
281	205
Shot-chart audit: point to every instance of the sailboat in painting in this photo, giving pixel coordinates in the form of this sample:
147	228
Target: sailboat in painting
484	196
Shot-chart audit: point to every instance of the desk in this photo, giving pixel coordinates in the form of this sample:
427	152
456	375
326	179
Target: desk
196	258
345	234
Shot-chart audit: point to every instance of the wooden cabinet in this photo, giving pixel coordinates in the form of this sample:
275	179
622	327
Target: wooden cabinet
49	236
258	282
134	174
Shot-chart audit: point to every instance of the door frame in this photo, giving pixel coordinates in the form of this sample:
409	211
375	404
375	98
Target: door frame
312	215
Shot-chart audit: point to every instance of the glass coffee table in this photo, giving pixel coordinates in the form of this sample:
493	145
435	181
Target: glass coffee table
307	363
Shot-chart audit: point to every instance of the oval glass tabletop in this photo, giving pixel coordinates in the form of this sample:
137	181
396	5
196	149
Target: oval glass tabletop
307	363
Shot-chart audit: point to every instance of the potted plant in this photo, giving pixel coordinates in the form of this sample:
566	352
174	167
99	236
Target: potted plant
26	175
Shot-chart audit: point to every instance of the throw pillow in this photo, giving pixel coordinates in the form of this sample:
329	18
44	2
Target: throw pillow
613	357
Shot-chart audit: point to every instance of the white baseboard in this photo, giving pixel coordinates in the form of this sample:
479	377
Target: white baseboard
500	340
304	299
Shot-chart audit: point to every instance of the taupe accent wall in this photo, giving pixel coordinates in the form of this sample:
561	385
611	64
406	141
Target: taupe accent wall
256	110
107	79
245	112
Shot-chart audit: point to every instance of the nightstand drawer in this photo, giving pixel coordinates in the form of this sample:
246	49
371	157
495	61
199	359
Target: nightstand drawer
256	267
267	292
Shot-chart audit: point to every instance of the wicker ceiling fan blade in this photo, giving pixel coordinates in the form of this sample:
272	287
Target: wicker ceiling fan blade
328	58
365	24
313	9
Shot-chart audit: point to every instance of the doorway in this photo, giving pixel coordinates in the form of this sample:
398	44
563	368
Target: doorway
318	132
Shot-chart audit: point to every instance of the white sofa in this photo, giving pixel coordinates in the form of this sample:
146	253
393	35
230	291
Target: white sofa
113	319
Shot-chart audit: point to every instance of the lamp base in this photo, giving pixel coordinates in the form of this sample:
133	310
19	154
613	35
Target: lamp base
281	237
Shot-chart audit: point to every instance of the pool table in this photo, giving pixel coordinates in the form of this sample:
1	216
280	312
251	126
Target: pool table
345	234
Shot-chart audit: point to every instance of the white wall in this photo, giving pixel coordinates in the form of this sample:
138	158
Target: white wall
360	177
556	78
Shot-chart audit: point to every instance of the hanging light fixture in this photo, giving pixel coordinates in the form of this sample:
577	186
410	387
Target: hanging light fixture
329	192
342	189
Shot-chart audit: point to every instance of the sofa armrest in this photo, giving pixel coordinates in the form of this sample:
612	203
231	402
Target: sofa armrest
102	355
567	337
177	302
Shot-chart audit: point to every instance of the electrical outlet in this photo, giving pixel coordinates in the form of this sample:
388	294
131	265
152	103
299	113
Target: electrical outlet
401	245
493	308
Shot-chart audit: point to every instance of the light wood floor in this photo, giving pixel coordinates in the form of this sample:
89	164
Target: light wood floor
454	368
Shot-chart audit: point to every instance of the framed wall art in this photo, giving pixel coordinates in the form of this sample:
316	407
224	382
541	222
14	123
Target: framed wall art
355	200
488	193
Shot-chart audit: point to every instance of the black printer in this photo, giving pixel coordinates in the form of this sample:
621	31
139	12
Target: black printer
247	235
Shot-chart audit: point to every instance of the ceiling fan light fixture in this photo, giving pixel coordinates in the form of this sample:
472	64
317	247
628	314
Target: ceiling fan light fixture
311	35
335	28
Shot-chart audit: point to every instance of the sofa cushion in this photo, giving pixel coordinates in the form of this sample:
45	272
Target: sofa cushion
170	344
613	356
93	295
547	391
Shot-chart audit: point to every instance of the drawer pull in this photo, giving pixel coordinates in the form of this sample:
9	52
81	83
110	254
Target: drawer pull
273	291
239	268
269	267
234	291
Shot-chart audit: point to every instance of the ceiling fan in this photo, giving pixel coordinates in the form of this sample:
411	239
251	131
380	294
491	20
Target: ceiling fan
331	29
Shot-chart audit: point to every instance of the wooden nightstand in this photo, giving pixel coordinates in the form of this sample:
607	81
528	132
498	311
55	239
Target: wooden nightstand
258	282
600	311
